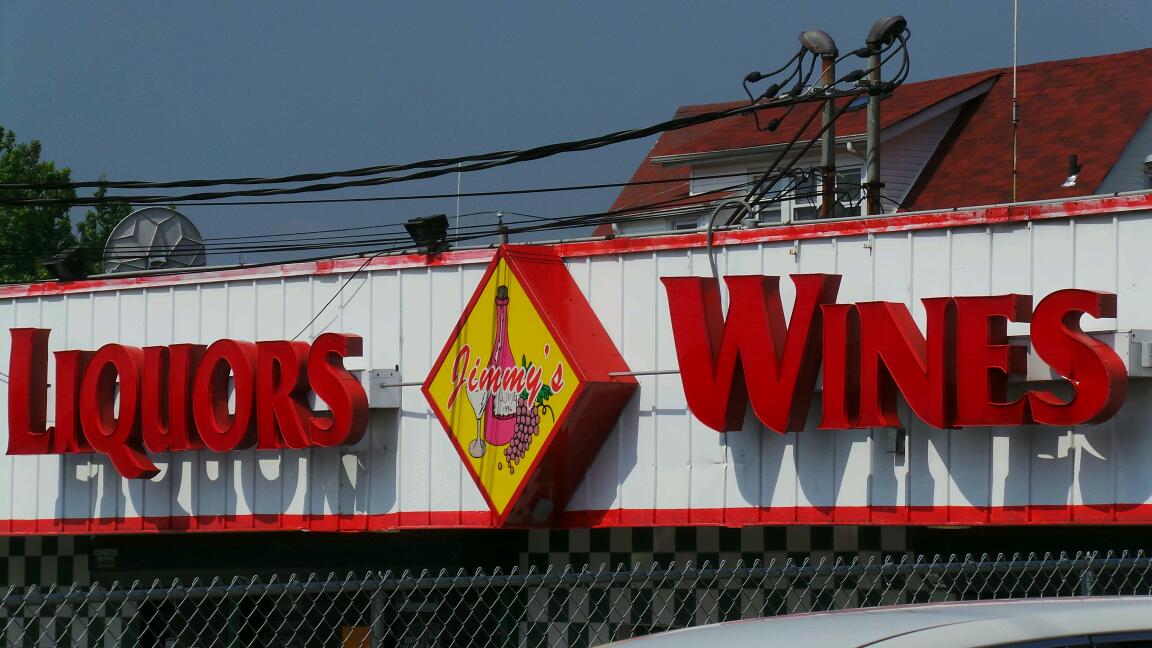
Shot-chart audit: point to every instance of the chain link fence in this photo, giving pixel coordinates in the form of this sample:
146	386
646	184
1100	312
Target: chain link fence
569	608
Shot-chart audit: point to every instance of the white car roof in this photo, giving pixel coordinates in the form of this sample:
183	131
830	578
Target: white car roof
940	625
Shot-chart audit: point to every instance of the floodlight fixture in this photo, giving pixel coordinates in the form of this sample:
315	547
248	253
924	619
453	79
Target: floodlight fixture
66	265
885	31
819	43
430	232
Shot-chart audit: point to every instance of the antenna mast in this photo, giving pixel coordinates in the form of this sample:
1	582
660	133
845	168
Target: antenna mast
1015	104
456	232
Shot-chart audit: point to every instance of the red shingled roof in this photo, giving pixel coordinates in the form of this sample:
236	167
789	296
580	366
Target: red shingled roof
1090	107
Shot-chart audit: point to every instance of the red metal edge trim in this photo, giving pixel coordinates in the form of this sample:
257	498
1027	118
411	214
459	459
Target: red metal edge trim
567	314
899	222
515	259
278	271
861	226
541	455
251	522
1043	514
591	355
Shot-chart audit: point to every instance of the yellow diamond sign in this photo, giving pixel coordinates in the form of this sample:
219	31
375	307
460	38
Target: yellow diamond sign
509	384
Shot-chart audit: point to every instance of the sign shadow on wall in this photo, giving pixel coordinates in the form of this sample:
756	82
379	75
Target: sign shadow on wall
618	455
822	466
346	481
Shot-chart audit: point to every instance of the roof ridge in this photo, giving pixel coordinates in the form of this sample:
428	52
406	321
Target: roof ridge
977	76
690	109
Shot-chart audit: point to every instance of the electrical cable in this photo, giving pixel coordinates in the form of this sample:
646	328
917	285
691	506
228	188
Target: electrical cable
465	194
752	195
284	235
526	155
345	242
486	160
580	222
341	241
79	202
901	75
773	88
811	142
390	180
336	229
484	230
335	295
543	223
557	224
476	162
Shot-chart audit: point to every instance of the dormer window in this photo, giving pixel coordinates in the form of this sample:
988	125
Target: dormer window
800	200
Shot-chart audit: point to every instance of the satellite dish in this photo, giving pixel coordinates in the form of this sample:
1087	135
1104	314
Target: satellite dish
153	238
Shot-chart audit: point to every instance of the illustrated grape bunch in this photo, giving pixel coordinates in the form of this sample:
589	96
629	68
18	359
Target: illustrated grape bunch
527	423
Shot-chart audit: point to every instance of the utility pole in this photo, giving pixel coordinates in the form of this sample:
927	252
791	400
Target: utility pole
822	45
883	32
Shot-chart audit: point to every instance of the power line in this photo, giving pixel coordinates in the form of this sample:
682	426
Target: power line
302	240
521	156
344	242
537	152
79	202
442	166
476	231
536	223
557	223
336	294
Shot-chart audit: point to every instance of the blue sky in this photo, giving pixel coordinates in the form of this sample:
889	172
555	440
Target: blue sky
153	91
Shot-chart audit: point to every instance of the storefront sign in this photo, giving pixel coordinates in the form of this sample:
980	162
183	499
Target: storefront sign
523	387
955	375
125	401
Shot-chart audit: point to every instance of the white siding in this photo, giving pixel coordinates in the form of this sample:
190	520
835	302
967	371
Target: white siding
903	157
1128	172
703	179
964	468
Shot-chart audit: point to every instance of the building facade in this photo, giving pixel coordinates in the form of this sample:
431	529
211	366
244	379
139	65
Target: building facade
660	485
859	389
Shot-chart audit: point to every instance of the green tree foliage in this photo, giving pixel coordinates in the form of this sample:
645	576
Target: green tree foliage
29	235
97	225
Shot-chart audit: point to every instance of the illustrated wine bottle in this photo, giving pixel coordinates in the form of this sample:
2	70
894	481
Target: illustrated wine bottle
500	414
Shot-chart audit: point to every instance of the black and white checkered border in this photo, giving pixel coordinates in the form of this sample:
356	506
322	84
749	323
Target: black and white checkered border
44	560
664	546
61	561
581	616
81	626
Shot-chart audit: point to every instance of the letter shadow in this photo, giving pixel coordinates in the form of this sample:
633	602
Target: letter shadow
820	460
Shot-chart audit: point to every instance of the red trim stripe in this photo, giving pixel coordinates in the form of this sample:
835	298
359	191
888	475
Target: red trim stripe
1078	514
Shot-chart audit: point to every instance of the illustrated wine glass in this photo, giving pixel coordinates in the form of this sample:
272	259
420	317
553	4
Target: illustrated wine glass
479	399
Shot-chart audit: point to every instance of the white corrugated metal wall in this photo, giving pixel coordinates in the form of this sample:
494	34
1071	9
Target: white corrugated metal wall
658	457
